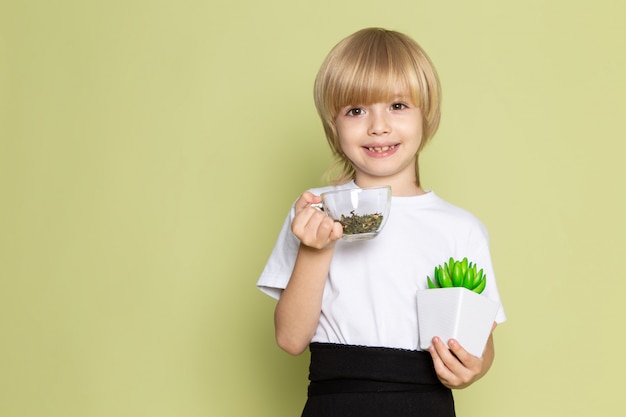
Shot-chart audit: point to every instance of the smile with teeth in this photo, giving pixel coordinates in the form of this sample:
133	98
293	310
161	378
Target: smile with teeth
381	148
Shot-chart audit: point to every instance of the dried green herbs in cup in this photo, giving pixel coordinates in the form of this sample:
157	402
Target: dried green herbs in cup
356	223
361	211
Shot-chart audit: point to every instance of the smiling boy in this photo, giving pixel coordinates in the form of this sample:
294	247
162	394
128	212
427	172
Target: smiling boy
353	303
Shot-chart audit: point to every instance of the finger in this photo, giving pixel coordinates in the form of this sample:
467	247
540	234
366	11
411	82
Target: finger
468	366
444	352
336	232
461	364
322	225
306	199
443	373
313	228
304	219
436	358
327	231
462	355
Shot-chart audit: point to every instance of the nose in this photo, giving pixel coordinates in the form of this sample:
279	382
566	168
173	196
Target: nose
379	124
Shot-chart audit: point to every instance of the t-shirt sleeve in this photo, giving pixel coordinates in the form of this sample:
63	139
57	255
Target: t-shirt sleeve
277	271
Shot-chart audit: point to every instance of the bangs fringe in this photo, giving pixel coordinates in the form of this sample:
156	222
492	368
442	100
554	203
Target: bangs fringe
376	74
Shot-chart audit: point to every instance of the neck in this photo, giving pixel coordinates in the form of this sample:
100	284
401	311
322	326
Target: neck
398	188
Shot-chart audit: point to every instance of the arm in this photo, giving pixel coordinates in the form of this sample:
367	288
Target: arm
455	367
298	310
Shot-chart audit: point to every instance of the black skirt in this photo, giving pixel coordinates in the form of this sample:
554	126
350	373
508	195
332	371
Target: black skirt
358	381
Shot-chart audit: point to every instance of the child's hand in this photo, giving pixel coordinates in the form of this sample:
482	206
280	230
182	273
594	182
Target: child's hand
312	226
455	367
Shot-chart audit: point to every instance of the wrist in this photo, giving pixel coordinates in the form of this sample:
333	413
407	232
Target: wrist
312	250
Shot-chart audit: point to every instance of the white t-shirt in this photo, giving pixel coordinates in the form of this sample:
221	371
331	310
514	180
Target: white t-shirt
370	294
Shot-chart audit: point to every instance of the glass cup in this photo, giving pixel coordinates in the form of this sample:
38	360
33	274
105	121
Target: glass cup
361	211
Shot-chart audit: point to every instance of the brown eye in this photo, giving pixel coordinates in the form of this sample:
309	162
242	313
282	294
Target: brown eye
398	106
355	112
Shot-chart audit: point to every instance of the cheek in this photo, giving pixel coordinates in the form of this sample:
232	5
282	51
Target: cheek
347	149
417	132
344	138
348	133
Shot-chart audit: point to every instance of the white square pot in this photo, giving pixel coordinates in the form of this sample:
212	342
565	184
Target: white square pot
455	313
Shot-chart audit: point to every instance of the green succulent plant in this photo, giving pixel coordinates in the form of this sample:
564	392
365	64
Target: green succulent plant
458	274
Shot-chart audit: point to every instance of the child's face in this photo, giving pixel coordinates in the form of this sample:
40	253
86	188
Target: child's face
381	140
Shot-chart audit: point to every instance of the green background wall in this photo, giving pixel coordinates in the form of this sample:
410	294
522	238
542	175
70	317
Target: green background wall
150	151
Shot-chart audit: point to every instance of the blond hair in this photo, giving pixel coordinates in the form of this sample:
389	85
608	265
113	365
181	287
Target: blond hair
368	67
